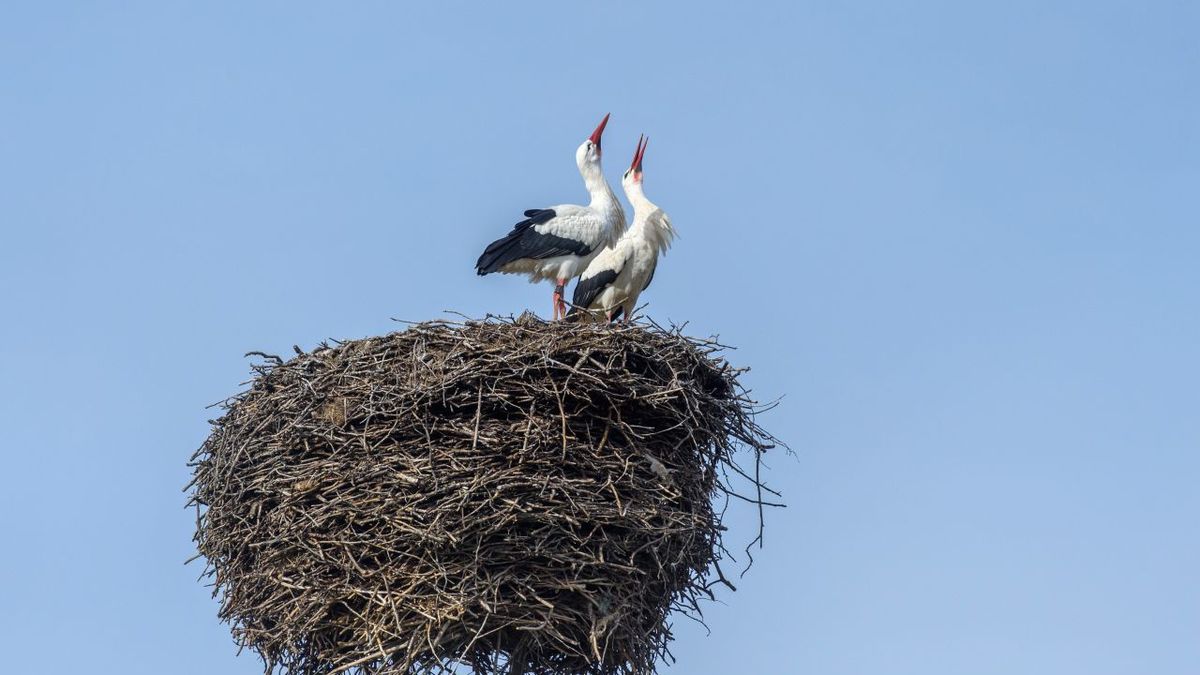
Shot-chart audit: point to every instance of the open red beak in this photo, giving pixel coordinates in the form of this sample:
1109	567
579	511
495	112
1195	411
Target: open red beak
595	138
636	165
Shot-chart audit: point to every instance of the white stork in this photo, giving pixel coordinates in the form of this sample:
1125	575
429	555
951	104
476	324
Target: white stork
558	242
613	281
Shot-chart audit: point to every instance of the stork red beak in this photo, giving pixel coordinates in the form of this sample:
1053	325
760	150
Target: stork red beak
636	165
595	137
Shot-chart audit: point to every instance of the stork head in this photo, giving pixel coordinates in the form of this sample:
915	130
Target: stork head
633	175
589	152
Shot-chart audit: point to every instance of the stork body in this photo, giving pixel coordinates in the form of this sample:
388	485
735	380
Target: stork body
558	242
613	281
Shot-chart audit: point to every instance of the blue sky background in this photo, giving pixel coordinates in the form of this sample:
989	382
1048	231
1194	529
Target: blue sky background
962	241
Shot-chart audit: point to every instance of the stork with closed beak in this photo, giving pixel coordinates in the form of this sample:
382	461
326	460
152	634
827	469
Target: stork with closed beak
558	242
613	281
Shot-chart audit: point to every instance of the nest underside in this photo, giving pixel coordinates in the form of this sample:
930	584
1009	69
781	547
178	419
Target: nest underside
499	496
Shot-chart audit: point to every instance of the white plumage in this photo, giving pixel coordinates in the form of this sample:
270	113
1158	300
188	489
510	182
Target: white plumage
613	281
559	241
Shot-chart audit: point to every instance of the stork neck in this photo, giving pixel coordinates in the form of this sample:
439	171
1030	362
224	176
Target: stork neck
655	228
637	199
597	186
603	197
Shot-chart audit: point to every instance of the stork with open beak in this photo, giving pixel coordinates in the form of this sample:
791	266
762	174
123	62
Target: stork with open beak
558	242
613	281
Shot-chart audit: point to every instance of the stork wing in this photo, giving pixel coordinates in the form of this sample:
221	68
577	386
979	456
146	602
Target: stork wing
599	275
545	233
653	269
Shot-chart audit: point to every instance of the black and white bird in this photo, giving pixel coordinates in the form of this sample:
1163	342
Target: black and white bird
558	242
613	281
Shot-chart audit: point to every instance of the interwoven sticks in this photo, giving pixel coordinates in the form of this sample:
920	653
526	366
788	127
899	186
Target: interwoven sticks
496	496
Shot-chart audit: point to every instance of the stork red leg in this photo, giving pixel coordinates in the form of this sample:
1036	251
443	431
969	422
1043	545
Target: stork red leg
560	305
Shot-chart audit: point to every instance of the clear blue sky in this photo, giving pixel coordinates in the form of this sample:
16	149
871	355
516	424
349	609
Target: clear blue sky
962	241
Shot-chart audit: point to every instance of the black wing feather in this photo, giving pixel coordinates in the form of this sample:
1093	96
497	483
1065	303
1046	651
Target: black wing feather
526	242
650	278
587	290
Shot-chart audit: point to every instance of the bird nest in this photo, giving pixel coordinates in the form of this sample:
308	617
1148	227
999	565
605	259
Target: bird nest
496	496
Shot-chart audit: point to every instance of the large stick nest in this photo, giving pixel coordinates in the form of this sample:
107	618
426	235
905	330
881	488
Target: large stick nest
503	496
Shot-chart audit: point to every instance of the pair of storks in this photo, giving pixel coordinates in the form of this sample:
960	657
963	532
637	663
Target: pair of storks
561	242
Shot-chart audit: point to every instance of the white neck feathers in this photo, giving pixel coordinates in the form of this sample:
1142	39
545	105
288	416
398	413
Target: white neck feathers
604	200
649	222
